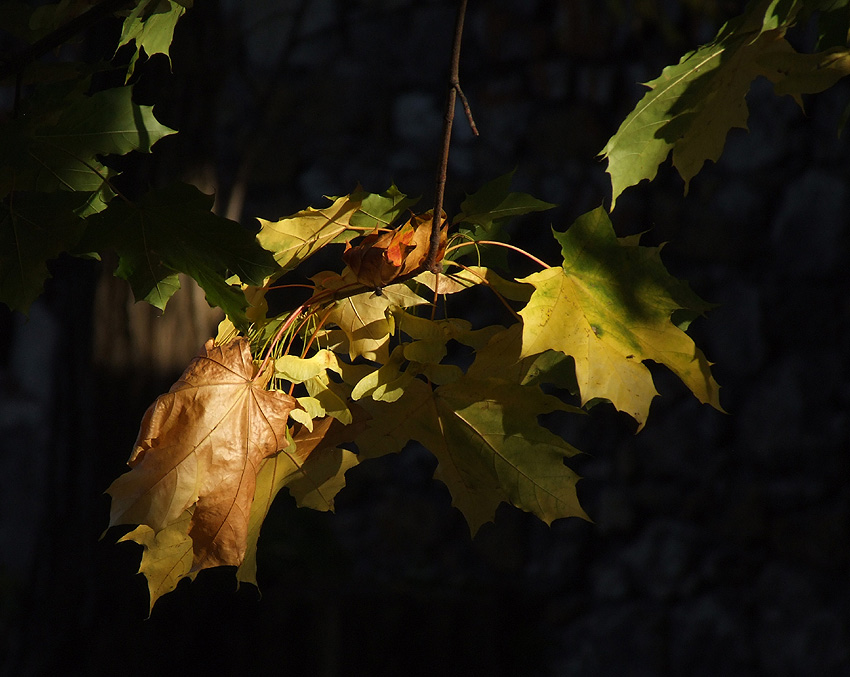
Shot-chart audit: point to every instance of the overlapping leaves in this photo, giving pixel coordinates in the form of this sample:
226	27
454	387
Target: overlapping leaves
692	106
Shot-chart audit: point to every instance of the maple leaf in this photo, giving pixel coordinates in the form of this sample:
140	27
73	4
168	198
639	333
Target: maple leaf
295	238
380	258
380	210
312	468
609	306
488	443
151	26
150	238
166	556
34	227
201	445
60	152
691	107
363	317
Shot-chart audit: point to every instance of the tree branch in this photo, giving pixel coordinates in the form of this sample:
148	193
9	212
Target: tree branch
442	170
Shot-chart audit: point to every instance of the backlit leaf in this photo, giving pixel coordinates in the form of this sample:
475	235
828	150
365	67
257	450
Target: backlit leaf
167	555
151	26
201	445
691	107
295	238
489	445
609	307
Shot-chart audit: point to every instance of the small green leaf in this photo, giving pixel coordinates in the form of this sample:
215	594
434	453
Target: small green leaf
152	31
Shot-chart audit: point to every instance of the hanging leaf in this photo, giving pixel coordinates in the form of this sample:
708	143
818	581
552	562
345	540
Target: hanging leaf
312	468
297	237
609	307
151	27
150	236
489	445
34	227
200	446
167	555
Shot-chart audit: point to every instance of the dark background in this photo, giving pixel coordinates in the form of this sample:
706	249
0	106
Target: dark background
721	543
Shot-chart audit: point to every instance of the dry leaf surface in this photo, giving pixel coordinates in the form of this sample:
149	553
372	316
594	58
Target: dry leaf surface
201	445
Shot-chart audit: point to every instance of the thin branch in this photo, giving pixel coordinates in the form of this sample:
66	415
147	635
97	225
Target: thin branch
442	170
60	36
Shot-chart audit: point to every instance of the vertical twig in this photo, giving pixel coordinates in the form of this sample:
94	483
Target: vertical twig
442	168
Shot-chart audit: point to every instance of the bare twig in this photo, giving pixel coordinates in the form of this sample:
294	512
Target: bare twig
442	170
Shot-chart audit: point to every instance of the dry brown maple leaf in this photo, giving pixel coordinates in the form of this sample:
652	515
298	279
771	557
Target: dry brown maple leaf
201	444
380	258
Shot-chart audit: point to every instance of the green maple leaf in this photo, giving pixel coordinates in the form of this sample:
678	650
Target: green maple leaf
693	105
483	216
62	152
34	227
172	230
489	445
151	26
380	210
295	238
609	307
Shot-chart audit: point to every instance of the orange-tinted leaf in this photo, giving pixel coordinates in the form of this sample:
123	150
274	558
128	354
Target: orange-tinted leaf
201	445
382	257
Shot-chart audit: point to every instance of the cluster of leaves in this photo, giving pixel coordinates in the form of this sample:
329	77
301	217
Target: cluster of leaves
363	365
366	364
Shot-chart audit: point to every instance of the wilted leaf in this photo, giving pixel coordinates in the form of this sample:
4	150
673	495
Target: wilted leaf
489	445
380	258
609	307
295	238
201	445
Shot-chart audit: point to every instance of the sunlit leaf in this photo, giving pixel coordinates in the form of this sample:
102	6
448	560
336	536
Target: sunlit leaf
200	445
488	443
609	307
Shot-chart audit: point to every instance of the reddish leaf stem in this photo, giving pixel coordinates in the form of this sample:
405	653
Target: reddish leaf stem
500	244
